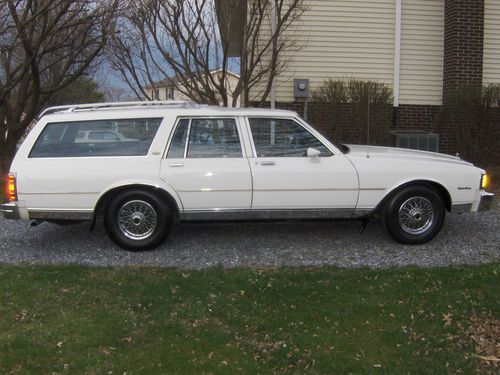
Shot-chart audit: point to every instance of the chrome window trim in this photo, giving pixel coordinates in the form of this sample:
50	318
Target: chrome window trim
250	136
171	136
186	146
244	139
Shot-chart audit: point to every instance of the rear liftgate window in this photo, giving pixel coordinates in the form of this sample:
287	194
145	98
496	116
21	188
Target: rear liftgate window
123	137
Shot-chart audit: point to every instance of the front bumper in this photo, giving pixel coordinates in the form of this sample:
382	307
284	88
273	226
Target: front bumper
486	202
10	211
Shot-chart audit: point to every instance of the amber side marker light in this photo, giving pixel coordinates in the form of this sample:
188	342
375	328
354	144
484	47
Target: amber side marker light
484	181
11	188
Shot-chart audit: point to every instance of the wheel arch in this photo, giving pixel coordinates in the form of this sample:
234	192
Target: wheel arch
440	188
106	197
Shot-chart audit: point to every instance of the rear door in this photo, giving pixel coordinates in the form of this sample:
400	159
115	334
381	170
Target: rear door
284	177
206	165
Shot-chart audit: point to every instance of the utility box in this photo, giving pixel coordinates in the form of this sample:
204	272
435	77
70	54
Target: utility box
416	140
301	88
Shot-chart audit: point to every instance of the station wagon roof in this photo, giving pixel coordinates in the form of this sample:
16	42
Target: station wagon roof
158	108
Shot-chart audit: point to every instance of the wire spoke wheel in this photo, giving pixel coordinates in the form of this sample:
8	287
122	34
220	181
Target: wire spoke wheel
137	219
416	215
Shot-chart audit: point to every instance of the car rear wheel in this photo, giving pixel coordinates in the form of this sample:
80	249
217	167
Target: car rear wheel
138	220
414	214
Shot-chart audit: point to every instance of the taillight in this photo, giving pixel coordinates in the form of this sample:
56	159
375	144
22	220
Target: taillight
11	188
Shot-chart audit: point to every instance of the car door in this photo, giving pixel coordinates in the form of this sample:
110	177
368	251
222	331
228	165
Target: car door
207	166
285	178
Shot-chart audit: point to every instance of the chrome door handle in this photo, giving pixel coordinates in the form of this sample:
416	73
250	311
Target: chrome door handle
176	164
267	162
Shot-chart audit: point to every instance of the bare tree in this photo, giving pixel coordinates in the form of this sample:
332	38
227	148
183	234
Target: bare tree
45	46
181	42
115	94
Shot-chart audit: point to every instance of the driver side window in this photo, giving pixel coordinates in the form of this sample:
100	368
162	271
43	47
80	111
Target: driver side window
283	138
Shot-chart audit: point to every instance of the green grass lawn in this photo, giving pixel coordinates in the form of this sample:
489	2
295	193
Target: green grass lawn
75	320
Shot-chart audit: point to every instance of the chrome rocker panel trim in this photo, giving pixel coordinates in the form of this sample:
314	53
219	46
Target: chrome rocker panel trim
61	214
265	214
461	208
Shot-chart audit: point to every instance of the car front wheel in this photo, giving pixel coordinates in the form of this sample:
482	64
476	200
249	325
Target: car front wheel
414	215
138	220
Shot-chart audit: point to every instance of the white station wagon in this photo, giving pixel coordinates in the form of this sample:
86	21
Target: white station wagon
173	161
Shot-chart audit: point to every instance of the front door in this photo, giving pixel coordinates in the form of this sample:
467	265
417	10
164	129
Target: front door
284	177
205	164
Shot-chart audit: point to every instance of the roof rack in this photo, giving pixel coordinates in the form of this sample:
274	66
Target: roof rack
97	106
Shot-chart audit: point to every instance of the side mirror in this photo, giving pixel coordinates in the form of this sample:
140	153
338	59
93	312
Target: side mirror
313	153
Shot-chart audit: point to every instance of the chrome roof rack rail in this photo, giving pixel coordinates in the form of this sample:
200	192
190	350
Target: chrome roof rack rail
111	105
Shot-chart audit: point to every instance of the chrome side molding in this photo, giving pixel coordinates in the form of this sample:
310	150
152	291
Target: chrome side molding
265	214
61	214
460	208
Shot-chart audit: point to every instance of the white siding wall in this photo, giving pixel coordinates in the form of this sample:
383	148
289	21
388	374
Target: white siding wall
491	63
342	39
422	43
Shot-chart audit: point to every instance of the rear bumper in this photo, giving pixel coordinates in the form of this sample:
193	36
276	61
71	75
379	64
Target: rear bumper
15	211
10	211
18	211
486	202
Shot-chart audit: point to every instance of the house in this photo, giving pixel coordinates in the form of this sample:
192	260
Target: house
422	49
172	89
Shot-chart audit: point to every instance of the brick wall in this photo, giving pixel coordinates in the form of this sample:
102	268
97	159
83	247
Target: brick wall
421	117
463	58
463	44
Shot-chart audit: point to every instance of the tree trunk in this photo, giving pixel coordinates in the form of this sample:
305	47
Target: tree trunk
7	153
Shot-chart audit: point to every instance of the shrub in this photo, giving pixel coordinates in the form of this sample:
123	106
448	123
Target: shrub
473	114
353	111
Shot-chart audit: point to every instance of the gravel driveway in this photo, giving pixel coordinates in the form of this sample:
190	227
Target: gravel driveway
465	239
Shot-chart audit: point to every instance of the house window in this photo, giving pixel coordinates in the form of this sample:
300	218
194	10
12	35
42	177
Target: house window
170	93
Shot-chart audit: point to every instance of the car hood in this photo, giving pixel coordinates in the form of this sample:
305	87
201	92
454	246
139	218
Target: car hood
401	153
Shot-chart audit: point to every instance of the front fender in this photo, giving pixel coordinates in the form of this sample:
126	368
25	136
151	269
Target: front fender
438	184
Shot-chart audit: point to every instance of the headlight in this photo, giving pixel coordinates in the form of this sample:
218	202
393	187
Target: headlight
484	181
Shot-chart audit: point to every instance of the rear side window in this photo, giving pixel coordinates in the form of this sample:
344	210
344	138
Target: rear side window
206	138
123	137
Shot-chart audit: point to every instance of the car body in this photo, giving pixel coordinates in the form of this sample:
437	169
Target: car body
196	163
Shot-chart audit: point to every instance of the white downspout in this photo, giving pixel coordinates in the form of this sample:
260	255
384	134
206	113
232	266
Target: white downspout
397	53
273	31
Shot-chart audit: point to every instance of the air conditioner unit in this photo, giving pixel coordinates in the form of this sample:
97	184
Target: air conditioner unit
416	140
